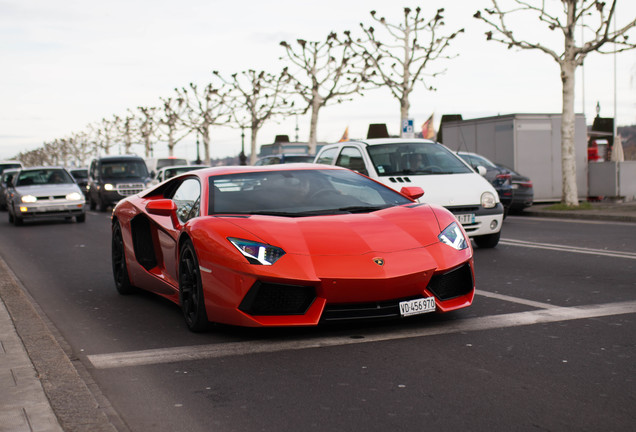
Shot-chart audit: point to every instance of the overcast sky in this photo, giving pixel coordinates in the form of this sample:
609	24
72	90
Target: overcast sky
69	63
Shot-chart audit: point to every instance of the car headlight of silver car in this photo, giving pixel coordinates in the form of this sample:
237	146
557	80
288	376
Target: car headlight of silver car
488	200
453	236
74	196
28	199
257	253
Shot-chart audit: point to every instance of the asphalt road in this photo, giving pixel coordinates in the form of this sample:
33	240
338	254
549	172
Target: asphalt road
547	345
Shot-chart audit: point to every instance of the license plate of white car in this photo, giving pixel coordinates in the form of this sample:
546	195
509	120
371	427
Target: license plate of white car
417	306
466	218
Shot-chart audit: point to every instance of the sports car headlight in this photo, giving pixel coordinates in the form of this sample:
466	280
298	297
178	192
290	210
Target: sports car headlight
74	196
454	237
257	253
109	187
488	200
29	199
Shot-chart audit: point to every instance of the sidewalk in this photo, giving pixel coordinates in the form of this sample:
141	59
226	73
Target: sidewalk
31	360
602	211
41	389
23	403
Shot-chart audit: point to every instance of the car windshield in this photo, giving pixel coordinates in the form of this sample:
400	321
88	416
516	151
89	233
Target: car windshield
415	158
171	172
43	177
298	158
80	174
299	193
124	169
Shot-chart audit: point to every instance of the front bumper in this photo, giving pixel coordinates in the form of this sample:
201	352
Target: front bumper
485	221
305	291
51	210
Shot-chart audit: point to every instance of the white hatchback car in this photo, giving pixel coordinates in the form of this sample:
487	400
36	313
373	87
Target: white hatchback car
445	178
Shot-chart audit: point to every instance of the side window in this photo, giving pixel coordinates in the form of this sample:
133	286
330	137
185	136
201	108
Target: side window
351	158
327	157
187	197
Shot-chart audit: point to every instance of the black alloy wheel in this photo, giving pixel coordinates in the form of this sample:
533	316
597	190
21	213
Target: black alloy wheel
118	258
191	290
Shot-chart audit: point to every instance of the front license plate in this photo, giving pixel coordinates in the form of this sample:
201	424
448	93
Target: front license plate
466	218
417	306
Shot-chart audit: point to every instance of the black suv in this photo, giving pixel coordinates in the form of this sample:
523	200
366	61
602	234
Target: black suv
112	178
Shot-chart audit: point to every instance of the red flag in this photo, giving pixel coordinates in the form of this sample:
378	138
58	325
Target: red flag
345	135
428	130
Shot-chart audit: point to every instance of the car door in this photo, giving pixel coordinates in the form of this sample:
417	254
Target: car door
187	197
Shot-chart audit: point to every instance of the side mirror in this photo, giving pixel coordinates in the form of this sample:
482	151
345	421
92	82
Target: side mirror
481	170
164	207
413	192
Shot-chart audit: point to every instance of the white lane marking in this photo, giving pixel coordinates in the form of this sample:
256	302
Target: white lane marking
200	352
565	248
570	220
515	300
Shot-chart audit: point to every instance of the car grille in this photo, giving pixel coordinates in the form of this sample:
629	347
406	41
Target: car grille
362	311
276	299
50	198
127	189
454	283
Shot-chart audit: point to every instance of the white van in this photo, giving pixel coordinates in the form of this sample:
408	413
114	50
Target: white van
155	164
445	178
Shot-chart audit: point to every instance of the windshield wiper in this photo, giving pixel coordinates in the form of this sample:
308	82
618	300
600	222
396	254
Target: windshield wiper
364	209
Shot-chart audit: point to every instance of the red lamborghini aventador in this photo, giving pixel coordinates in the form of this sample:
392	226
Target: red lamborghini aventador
290	245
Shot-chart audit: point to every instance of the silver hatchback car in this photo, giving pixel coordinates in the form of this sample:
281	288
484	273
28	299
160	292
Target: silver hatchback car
44	193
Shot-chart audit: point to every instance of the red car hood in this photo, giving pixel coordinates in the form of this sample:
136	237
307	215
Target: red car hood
390	230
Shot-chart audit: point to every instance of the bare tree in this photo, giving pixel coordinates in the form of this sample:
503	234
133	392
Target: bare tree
170	121
104	133
259	96
126	132
147	126
205	107
325	73
563	20
412	47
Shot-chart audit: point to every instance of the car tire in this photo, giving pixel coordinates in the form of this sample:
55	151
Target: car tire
118	259
191	290
102	206
91	203
17	221
10	216
487	241
81	218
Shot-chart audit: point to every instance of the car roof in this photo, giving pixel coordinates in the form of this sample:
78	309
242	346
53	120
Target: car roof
237	169
378	141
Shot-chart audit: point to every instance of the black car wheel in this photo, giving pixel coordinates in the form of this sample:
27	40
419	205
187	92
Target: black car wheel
488	240
91	202
118	258
191	290
10	217
81	218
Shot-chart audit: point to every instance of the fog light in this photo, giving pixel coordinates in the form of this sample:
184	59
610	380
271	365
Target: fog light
493	224
24	209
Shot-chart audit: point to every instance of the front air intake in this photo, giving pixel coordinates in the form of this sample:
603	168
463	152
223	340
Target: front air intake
454	283
276	299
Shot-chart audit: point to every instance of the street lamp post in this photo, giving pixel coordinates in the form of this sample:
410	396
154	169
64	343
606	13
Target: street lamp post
242	157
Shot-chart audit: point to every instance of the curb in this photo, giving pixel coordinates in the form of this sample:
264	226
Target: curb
54	397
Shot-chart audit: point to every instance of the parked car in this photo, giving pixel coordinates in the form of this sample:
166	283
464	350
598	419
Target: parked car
290	245
170	171
112	178
515	190
81	177
45	193
155	164
9	164
5	182
284	158
445	178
